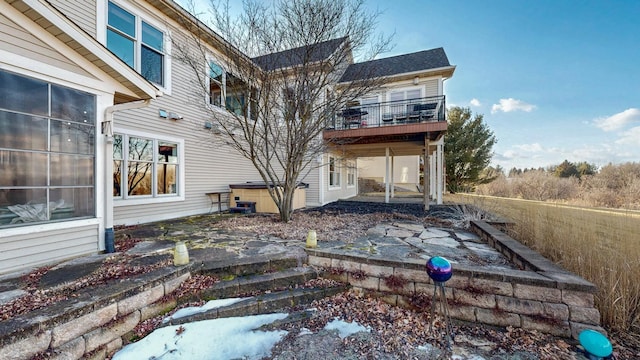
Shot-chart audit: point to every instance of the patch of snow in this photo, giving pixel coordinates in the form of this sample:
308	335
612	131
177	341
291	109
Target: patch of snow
226	338
344	328
305	331
192	310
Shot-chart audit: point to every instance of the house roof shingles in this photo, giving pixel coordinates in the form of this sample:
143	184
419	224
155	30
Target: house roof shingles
401	64
297	56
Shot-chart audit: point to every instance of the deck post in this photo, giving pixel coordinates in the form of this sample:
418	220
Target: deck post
425	180
386	176
439	171
393	182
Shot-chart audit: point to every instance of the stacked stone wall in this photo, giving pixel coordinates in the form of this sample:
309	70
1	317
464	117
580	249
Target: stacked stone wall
540	297
91	328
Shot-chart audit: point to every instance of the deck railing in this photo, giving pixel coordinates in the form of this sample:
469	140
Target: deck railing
390	113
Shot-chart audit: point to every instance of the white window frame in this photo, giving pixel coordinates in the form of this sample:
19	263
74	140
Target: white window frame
207	70
351	174
405	90
103	24
124	199
335	174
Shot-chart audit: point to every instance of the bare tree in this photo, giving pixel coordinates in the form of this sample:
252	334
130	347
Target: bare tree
273	84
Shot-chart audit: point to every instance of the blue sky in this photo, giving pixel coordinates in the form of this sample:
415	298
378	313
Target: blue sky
554	79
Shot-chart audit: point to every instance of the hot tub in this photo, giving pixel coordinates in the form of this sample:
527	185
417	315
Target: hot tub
257	192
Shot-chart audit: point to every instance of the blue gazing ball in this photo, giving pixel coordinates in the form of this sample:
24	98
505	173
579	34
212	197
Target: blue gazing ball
439	269
595	343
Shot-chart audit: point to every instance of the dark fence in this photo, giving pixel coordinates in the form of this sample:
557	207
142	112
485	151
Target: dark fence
391	113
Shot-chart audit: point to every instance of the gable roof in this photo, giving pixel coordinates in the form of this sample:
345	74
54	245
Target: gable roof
408	63
297	56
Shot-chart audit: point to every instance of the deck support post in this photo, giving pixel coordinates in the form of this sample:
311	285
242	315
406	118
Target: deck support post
425	178
386	176
440	172
393	182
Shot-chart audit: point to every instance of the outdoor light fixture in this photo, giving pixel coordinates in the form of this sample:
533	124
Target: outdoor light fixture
439	270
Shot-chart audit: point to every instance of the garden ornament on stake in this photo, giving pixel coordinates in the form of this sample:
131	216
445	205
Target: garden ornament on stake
439	270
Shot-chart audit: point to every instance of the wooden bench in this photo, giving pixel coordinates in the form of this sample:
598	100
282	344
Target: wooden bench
218	197
244	207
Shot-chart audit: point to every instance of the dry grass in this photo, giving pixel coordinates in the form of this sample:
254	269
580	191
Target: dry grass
602	246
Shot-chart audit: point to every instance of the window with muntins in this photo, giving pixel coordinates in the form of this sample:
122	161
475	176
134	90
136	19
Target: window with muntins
144	167
230	92
137	43
334	172
351	174
47	151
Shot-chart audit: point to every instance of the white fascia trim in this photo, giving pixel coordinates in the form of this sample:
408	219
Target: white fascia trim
84	39
418	72
50	73
40	228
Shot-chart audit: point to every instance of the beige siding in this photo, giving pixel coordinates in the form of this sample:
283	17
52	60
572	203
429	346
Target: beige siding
332	194
17	40
81	12
313	192
24	251
431	87
209	164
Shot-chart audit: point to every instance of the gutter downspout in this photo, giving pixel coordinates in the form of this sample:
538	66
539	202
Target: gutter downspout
107	131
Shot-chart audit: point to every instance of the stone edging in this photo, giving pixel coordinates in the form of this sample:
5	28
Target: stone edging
541	297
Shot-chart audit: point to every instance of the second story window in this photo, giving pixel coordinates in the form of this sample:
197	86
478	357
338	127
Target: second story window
230	92
137	43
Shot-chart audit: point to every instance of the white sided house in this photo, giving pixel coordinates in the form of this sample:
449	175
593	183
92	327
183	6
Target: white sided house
99	125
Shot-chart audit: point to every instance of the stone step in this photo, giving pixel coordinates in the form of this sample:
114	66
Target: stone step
262	304
258	283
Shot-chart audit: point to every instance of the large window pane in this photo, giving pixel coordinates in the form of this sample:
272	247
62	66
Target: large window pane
151	65
74	105
117	178
22	205
23	132
122	47
121	20
71	202
139	178
69	170
152	37
140	149
72	138
167	152
23	94
23	168
167	178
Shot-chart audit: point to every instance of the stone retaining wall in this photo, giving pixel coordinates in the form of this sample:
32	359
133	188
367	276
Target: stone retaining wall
541	297
91	325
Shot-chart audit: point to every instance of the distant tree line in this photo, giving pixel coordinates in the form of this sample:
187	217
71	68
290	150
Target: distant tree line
581	183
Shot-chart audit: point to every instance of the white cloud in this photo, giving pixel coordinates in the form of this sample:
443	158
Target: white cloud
475	102
619	120
630	137
511	104
535	147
